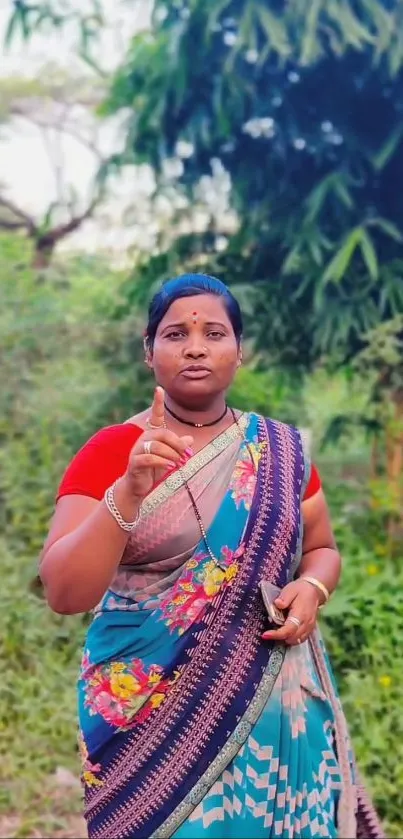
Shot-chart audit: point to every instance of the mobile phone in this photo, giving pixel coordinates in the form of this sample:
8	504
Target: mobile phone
270	593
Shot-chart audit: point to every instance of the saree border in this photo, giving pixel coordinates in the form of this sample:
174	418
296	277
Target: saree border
172	483
234	743
241	733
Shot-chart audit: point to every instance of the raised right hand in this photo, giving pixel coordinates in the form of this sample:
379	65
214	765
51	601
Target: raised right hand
167	451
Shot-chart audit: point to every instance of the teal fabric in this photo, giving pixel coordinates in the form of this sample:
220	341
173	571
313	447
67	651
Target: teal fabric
285	781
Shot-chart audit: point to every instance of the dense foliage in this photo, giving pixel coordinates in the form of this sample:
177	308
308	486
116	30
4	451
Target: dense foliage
302	104
67	372
295	111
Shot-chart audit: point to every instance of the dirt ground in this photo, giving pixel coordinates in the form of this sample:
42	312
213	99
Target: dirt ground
54	814
13	826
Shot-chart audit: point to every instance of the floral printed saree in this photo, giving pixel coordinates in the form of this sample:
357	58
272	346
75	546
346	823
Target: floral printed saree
190	725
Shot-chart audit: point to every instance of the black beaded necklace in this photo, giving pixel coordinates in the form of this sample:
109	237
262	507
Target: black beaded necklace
197	424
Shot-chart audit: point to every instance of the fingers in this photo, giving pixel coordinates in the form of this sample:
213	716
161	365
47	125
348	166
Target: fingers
290	633
177	455
177	444
288	594
286	633
160	432
304	631
301	617
157	416
152	461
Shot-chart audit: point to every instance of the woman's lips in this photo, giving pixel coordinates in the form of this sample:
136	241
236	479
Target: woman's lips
200	373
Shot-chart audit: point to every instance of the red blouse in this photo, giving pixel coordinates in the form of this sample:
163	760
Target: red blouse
104	458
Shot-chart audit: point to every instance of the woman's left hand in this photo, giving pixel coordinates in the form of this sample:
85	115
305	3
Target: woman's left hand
302	601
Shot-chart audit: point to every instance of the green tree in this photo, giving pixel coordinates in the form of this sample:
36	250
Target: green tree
302	104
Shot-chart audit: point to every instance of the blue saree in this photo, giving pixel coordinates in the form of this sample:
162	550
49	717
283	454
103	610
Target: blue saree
190	725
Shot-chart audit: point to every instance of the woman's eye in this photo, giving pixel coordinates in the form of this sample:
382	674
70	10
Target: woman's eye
215	334
175	334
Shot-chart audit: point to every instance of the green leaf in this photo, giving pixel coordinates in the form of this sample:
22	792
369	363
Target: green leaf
275	31
22	11
12	26
310	46
383	22
315	250
292	261
93	64
382	157
334	183
369	254
317	199
353	30
389	228
338	266
343	193
303	285
213	18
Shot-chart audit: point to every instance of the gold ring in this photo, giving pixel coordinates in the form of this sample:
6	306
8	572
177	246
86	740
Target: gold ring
147	447
155	427
294	620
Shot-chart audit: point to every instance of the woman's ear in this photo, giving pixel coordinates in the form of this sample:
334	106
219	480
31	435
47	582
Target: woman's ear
148	356
240	356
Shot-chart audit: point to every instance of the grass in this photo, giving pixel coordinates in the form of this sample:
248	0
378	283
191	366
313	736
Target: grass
39	660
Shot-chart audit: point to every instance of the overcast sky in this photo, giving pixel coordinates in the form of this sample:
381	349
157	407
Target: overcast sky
25	169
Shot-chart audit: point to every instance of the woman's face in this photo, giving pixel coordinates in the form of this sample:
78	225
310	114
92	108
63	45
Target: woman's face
195	354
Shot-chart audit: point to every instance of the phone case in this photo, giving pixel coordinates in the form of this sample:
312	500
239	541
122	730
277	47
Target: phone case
269	594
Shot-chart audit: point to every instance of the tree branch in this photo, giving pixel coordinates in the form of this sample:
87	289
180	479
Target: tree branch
61	127
5	224
51	237
22	218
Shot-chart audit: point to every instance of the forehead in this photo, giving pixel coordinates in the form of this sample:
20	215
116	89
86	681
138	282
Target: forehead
208	308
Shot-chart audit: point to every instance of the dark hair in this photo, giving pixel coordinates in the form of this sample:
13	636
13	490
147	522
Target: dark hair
189	285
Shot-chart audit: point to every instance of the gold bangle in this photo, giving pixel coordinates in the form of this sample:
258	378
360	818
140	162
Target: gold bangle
317	583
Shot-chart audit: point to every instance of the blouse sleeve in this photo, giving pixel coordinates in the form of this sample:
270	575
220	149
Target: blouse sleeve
314	483
99	462
104	458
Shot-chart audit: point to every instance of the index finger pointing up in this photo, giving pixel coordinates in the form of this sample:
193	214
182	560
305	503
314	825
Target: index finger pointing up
157	416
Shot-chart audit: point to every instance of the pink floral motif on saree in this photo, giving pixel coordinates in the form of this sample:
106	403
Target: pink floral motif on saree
198	585
89	770
118	690
243	482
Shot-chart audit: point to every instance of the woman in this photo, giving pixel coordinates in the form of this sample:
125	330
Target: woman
196	719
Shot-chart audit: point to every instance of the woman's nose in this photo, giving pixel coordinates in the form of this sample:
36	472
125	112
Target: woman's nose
195	351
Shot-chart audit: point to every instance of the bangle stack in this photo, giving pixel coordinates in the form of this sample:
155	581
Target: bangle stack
317	583
109	499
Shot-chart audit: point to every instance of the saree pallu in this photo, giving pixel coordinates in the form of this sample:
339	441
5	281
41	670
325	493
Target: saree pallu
190	724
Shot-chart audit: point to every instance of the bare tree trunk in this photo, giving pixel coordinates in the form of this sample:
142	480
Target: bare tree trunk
42	255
